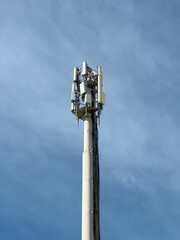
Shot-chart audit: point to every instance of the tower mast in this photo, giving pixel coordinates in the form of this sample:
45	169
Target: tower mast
87	100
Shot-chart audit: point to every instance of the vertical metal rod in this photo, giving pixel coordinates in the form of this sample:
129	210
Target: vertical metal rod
87	182
96	217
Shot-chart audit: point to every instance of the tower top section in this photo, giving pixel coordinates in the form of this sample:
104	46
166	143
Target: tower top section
87	95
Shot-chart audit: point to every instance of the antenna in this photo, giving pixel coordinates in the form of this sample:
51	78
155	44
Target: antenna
87	95
87	101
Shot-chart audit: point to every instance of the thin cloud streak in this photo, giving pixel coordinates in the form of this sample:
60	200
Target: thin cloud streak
40	145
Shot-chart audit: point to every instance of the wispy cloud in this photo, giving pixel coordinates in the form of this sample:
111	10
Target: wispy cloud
40	145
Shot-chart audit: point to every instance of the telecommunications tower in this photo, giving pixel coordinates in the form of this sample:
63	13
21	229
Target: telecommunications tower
87	101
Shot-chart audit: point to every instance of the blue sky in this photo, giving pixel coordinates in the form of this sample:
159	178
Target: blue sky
137	44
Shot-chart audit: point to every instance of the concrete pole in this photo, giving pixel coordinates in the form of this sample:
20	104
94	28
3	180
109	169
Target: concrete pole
87	182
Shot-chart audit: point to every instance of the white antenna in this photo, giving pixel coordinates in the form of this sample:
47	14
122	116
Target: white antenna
87	95
87	101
